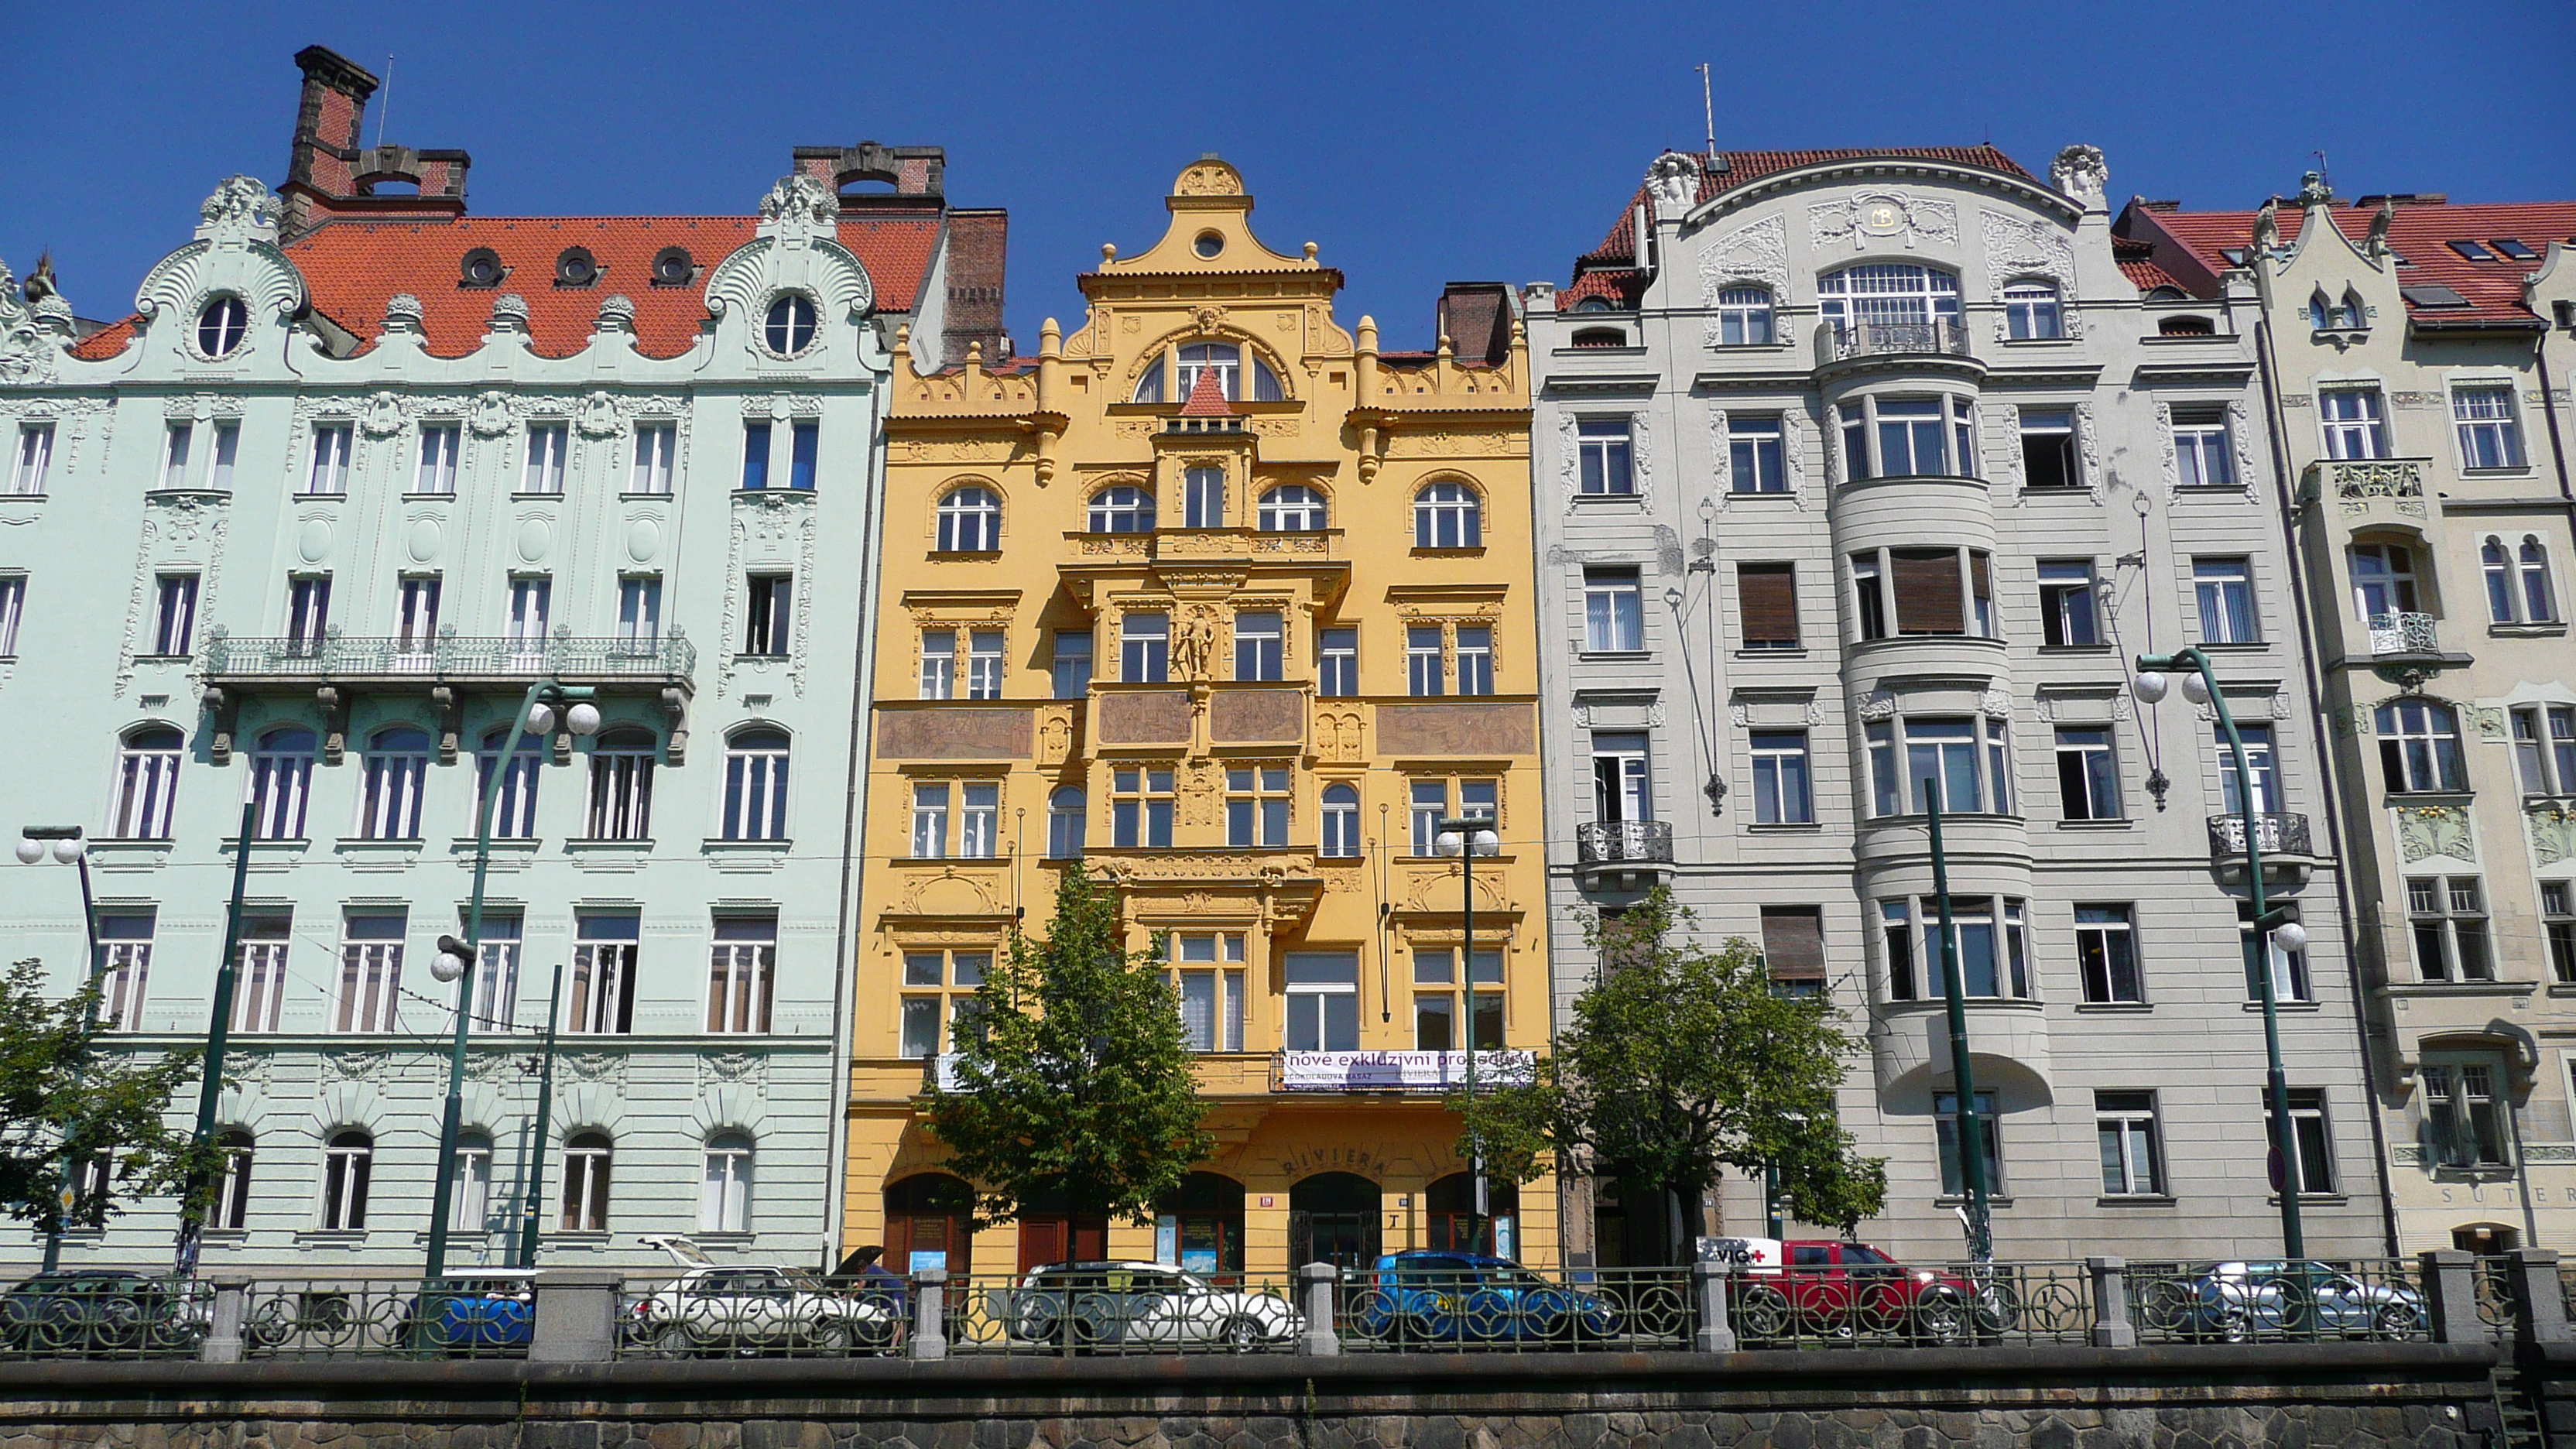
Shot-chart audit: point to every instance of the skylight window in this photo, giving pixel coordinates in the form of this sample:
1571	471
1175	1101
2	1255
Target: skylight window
2513	249
2235	255
2433	295
2473	251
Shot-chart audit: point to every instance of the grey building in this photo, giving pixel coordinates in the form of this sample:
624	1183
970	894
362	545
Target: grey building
1857	467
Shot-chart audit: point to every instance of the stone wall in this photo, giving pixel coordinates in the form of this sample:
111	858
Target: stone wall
2421	1396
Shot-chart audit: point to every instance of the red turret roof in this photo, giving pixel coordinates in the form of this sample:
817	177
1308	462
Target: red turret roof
1207	398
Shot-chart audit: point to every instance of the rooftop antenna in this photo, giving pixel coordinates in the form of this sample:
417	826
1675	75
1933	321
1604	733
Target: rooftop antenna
385	102
2323	174
1708	107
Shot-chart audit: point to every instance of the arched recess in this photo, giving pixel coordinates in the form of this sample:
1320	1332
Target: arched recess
734	1107
929	1223
1337	1218
347	1104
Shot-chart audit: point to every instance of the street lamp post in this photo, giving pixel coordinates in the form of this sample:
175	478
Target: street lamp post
1466	838
1968	1127
2282	927
456	959
65	844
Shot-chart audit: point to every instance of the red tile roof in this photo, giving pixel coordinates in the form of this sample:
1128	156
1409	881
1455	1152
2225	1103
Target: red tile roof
352	268
1207	397
1745	167
1625	289
2419	232
2147	276
107	341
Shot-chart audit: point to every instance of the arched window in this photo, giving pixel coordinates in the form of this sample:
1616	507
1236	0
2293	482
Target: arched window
1593	304
1203	498
1891	295
230	1210
2499	572
281	779
397	769
1149	386
2326	314
2185	327
1334	1217
724	1199
1068	816
514	811
471	1207
1744	316
2419	746
1341	821
1224	358
2539	604
1600	337
147	783
585	1182
1292	508
970	521
928	1220
2383	580
1122	508
346	1164
221	326
790	323
2031	311
755	804
1448	515
621	785
2167	294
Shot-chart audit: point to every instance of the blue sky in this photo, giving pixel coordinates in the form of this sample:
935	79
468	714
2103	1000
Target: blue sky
1416	143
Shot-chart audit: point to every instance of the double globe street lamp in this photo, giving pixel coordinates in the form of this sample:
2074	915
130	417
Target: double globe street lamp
1466	838
65	845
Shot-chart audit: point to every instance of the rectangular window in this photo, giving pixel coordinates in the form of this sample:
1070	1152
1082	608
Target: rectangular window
2106	955
1144	648
1943	750
1783	789
930	821
755	455
35	460
13	607
2448	918
329	471
219	468
1766	597
1621	788
1945	1109
436	472
2204	454
603	973
2048	449
657	449
1988	966
259	977
416	614
2067	606
2224	589
1909	437
938	664
766	601
548	445
1070	663
1323	1002
1140	809
371	950
174	615
1260	646
1603	446
1208	977
1793	949
1869	598
1896	928
979	824
2308	1137
2558	922
1256	807
1338	663
1423	672
123	968
1614	615
1754	463
390	784
2465	1117
1430	804
1928	597
2260	760
741	969
496	972
1480	799
2088	773
985	663
755	786
308	613
2125	1124
639	611
1475	659
2490	437
2289	968
1436	1013
532	599
805	444
174	455
2351	418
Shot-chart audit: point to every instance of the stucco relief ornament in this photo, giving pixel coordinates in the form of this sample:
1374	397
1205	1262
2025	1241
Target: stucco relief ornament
2080	173
33	329
2424	831
2553	833
1878	215
1757	251
1997	702
1568	459
382	417
240	201
2019	248
1672	183
403	313
489	416
1878	704
598	417
800	200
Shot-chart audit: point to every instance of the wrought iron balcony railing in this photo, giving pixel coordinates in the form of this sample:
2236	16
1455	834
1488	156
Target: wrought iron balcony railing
340	656
2404	634
2274	834
1837	341
1624	842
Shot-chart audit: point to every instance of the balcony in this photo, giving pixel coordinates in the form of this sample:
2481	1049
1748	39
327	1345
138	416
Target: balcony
341	657
2402	634
1623	854
1851	341
2283	839
2362	486
1425	1073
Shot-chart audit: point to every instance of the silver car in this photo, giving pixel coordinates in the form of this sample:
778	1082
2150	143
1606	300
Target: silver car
1112	1304
757	1308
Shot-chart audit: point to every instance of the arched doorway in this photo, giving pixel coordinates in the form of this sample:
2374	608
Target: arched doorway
1634	1225
1450	1213
1333	1217
1204	1222
929	1223
2487	1240
1051	1232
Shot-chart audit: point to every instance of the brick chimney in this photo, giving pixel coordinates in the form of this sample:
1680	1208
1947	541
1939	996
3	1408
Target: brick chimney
910	170
1476	317
978	247
329	176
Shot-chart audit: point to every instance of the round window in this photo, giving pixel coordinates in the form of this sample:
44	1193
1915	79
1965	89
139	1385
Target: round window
791	323
221	326
1208	244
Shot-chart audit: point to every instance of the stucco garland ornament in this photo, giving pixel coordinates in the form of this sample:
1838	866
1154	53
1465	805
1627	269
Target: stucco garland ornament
2080	173
1672	183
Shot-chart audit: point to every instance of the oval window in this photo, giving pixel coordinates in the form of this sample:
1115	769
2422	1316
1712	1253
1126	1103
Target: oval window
791	323
221	326
1208	244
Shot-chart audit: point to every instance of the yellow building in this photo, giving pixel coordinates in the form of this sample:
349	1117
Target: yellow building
1230	607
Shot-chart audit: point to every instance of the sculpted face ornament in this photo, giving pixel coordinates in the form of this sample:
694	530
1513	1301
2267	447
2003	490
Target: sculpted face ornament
1673	184
2080	173
239	200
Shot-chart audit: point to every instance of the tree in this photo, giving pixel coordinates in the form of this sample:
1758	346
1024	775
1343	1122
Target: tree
63	1100
1681	1063
1073	1079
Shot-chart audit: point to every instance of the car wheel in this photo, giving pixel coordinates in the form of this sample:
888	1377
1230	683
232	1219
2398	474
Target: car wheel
1241	1335
2235	1327
2393	1321
674	1342
1940	1318
832	1340
1762	1312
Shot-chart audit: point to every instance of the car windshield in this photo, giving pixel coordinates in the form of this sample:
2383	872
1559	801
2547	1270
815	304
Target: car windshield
802	1281
1507	1275
1863	1253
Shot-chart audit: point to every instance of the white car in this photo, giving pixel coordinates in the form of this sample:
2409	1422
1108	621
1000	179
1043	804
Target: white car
757	1308
1105	1304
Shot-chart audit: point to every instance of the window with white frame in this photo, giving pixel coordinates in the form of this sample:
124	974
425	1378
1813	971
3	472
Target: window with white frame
2353	422
742	971
219	468
2204	452
2261	761
2490	435
657	450
2088	773
768	612
1603	448
1337	663
514	810
147	783
1069	663
1986	932
416	615
2464	1115
123	968
1203	498
369	998
35	459
1437	1003
1898	437
970	521
2069	612
1923	591
2031	312
1256	807
639	612
986	663
1122	508
2519	590
13	608
939	998
436	471
587	1159
2223	590
979	819
1140	809
1341	840
755	801
470	1202
1068	821
2558	928
1424	667
281	782
1614	612
1754	461
1430	805
1260	645
392	778
260	971
789	326
174	615
2289	968
2048	456
2383	582
2544	748
1968	757
1448	515
724	1195
1207	973
930	805
1323	1006
2419	747
1221	358
328	473
1743	316
1622	777
1475	659
2106	956
347	1163
938	664
2447	917
496	970
230	1211
2125	1124
176	445
621	785
1783	790
1292	508
1144	648
1887	295
603	972
2308	1137
548	445
222	326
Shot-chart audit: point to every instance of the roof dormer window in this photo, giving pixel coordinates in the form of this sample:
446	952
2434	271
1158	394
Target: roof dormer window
221	326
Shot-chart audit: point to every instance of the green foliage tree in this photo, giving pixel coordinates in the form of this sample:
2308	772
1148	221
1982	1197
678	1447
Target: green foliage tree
1681	1063
1074	1082
64	1100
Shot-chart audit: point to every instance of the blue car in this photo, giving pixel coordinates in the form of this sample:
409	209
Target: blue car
1442	1297
493	1311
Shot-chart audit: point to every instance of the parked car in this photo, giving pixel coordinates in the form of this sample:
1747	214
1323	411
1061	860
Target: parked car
1103	1304
479	1312
90	1311
1440	1297
1828	1289
756	1308
2240	1301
